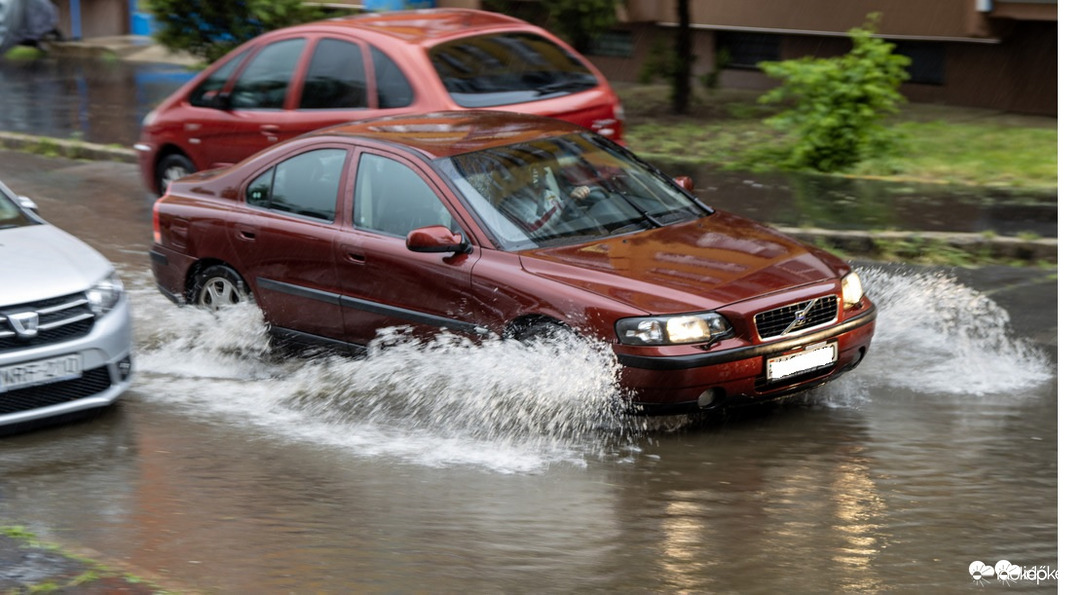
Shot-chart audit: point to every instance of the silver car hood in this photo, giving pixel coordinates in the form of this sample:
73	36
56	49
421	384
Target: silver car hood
41	261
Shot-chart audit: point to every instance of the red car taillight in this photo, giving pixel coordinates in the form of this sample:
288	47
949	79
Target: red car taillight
156	230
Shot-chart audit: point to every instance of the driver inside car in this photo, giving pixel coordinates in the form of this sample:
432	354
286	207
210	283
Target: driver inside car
537	200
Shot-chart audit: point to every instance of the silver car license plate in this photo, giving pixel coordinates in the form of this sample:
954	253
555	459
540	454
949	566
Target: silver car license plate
42	371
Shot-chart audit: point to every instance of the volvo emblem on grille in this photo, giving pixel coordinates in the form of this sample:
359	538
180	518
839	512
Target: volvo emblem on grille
800	317
25	324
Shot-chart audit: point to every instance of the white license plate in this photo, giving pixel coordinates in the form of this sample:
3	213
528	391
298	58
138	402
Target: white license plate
811	358
42	371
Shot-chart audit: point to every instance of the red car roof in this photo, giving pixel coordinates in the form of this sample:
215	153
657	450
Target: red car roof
444	134
422	26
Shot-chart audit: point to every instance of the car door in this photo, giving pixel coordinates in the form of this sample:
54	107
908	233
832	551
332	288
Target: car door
287	243
342	80
250	117
383	283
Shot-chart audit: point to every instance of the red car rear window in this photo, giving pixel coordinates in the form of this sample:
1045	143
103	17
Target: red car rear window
505	68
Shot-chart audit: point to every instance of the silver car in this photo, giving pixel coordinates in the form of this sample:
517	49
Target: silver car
65	328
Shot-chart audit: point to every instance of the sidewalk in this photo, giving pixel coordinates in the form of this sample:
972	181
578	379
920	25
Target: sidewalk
133	48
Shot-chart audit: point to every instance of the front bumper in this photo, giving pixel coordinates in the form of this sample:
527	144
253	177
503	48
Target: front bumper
737	376
107	372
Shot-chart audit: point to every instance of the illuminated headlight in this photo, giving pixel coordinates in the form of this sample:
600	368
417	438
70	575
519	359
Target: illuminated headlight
105	294
851	290
672	330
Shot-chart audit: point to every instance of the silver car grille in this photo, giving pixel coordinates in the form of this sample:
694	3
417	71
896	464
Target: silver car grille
53	321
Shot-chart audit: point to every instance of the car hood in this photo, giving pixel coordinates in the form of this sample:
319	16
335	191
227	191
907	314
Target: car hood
42	261
700	265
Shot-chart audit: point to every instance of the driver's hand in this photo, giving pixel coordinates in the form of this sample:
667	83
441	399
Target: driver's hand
580	192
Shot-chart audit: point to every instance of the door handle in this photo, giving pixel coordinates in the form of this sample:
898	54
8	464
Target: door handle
246	233
271	131
353	254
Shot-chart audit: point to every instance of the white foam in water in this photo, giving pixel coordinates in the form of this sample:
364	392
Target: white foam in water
514	408
937	336
501	405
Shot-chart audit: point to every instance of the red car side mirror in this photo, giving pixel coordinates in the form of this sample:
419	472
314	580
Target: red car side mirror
437	238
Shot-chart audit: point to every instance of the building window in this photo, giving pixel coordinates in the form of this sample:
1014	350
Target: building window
746	50
928	61
614	43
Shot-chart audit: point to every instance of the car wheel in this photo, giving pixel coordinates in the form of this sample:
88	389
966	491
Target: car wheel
172	167
542	331
218	286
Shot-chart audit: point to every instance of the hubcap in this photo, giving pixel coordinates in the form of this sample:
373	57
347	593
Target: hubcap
219	292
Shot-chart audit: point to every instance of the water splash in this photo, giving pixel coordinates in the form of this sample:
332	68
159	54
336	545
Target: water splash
503	405
517	408
936	335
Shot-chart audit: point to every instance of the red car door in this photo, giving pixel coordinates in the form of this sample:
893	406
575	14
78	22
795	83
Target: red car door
287	244
385	284
255	111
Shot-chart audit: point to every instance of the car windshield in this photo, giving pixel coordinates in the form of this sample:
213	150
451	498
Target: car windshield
565	190
10	214
505	68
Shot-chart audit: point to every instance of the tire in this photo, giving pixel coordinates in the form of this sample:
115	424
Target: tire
218	286
542	332
170	168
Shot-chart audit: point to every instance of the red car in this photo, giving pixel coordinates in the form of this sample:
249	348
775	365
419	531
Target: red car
297	79
499	224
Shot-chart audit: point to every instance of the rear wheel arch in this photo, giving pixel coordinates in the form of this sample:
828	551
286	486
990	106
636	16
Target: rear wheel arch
170	162
231	284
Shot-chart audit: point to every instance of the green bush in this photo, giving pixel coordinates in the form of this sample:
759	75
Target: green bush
208	30
835	106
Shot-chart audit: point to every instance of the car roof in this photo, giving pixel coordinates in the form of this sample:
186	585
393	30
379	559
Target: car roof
423	27
445	134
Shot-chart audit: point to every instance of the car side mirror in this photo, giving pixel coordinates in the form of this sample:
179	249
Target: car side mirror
26	203
437	238
221	101
685	182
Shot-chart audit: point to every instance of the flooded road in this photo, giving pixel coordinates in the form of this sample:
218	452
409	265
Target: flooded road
459	468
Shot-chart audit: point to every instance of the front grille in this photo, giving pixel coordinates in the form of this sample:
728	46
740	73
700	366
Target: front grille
59	319
43	395
796	317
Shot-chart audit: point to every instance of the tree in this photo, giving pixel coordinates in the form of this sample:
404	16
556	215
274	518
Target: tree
837	105
581	21
208	29
683	61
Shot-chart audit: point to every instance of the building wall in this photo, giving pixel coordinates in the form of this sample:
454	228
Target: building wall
96	18
998	63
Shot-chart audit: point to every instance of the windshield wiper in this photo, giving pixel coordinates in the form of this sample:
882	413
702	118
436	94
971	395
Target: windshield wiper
566	85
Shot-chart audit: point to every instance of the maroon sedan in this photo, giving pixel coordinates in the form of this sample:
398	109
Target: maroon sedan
489	223
297	79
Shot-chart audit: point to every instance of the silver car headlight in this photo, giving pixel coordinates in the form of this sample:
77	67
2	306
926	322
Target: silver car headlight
851	290
105	294
672	330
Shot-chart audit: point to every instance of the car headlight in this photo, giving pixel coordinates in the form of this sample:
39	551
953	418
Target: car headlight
673	330
105	294
851	290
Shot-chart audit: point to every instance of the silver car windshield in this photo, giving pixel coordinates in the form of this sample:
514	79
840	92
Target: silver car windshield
10	213
565	190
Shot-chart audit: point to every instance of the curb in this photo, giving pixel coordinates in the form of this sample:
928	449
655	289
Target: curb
857	243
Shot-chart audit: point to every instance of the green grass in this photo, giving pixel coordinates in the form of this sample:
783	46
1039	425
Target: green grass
942	144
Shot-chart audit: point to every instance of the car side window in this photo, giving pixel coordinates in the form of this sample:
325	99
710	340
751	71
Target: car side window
336	78
393	90
306	184
391	198
204	94
264	82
